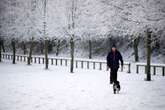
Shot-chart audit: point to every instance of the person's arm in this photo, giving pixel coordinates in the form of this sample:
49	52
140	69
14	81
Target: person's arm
121	59
108	63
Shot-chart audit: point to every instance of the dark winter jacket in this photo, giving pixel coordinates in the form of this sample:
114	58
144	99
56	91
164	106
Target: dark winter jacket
113	59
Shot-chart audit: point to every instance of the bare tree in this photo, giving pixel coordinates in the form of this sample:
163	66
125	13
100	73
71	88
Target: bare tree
136	40
148	49
0	50
57	47
71	27
30	51
13	43
24	48
90	49
44	35
33	7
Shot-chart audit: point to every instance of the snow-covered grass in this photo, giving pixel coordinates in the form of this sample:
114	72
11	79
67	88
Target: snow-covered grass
32	87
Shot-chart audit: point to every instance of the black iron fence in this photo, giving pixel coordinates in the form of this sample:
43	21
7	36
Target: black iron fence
154	68
79	63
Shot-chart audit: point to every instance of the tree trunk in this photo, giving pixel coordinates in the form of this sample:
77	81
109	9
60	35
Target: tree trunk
72	55
24	48
148	49
109	44
46	54
42	47
72	36
90	49
135	45
58	46
2	46
14	50
50	46
44	33
30	52
0	51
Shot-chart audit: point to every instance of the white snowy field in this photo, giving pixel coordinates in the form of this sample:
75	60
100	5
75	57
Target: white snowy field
32	87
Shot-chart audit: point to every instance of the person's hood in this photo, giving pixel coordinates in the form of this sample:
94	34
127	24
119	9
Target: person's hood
113	46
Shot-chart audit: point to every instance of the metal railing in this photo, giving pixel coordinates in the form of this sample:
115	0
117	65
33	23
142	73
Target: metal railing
79	63
154	66
84	63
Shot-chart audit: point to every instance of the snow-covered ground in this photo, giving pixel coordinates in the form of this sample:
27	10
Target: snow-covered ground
25	87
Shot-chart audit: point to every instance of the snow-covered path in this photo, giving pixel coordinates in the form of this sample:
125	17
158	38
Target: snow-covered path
25	87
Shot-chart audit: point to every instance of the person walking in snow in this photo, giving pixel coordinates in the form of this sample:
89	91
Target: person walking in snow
113	63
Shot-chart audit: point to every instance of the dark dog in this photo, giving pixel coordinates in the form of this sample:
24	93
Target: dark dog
116	87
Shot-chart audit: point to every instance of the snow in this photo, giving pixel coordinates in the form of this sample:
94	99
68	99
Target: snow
153	64
25	87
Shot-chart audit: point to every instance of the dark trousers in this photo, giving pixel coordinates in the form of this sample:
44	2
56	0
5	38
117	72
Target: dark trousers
113	75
